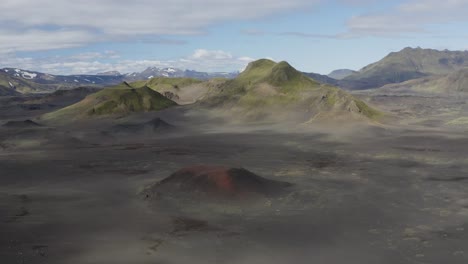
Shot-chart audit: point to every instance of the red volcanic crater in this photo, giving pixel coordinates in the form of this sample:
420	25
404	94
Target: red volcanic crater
217	181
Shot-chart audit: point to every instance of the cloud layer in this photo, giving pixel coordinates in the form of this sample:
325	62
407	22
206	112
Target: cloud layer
52	24
92	62
409	19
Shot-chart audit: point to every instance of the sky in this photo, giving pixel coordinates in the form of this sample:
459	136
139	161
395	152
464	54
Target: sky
92	36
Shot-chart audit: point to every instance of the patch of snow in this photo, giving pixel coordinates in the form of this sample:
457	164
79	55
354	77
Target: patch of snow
17	75
11	85
28	75
151	77
94	82
87	80
76	80
5	70
171	70
165	74
17	70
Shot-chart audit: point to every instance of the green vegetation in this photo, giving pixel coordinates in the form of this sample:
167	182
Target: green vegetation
462	121
367	111
161	84
167	83
266	88
7	91
120	99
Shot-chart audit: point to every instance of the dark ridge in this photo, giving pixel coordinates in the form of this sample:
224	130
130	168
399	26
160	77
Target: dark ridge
154	125
127	84
451	179
21	124
78	90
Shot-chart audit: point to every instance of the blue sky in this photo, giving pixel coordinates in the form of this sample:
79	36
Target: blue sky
75	37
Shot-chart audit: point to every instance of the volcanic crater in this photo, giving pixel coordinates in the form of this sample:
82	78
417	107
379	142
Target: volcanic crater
215	182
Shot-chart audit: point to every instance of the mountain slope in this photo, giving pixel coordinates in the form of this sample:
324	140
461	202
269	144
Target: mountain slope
340	74
405	65
450	83
7	91
181	90
25	81
117	100
276	90
322	78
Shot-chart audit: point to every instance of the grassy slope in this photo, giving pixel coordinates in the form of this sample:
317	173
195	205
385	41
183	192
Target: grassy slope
7	91
187	90
406	65
161	83
119	99
266	85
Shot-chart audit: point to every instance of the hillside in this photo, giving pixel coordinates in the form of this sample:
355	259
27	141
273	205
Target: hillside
181	90
11	85
7	91
404	65
267	89
454	82
340	74
117	100
321	78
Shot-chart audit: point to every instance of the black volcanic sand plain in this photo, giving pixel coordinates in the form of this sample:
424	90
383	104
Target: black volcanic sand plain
387	194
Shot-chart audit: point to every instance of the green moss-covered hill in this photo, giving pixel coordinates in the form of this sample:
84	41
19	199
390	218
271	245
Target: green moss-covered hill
165	83
407	64
270	89
181	90
116	100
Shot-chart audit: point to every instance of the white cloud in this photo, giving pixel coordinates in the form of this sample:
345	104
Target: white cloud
414	16
69	23
211	54
38	40
92	62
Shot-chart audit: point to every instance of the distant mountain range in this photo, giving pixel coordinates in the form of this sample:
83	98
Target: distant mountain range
25	81
13	81
152	72
340	74
396	67
322	78
266	90
407	64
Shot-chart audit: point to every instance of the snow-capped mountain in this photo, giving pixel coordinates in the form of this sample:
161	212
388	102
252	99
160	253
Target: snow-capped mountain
26	81
153	72
44	78
110	73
